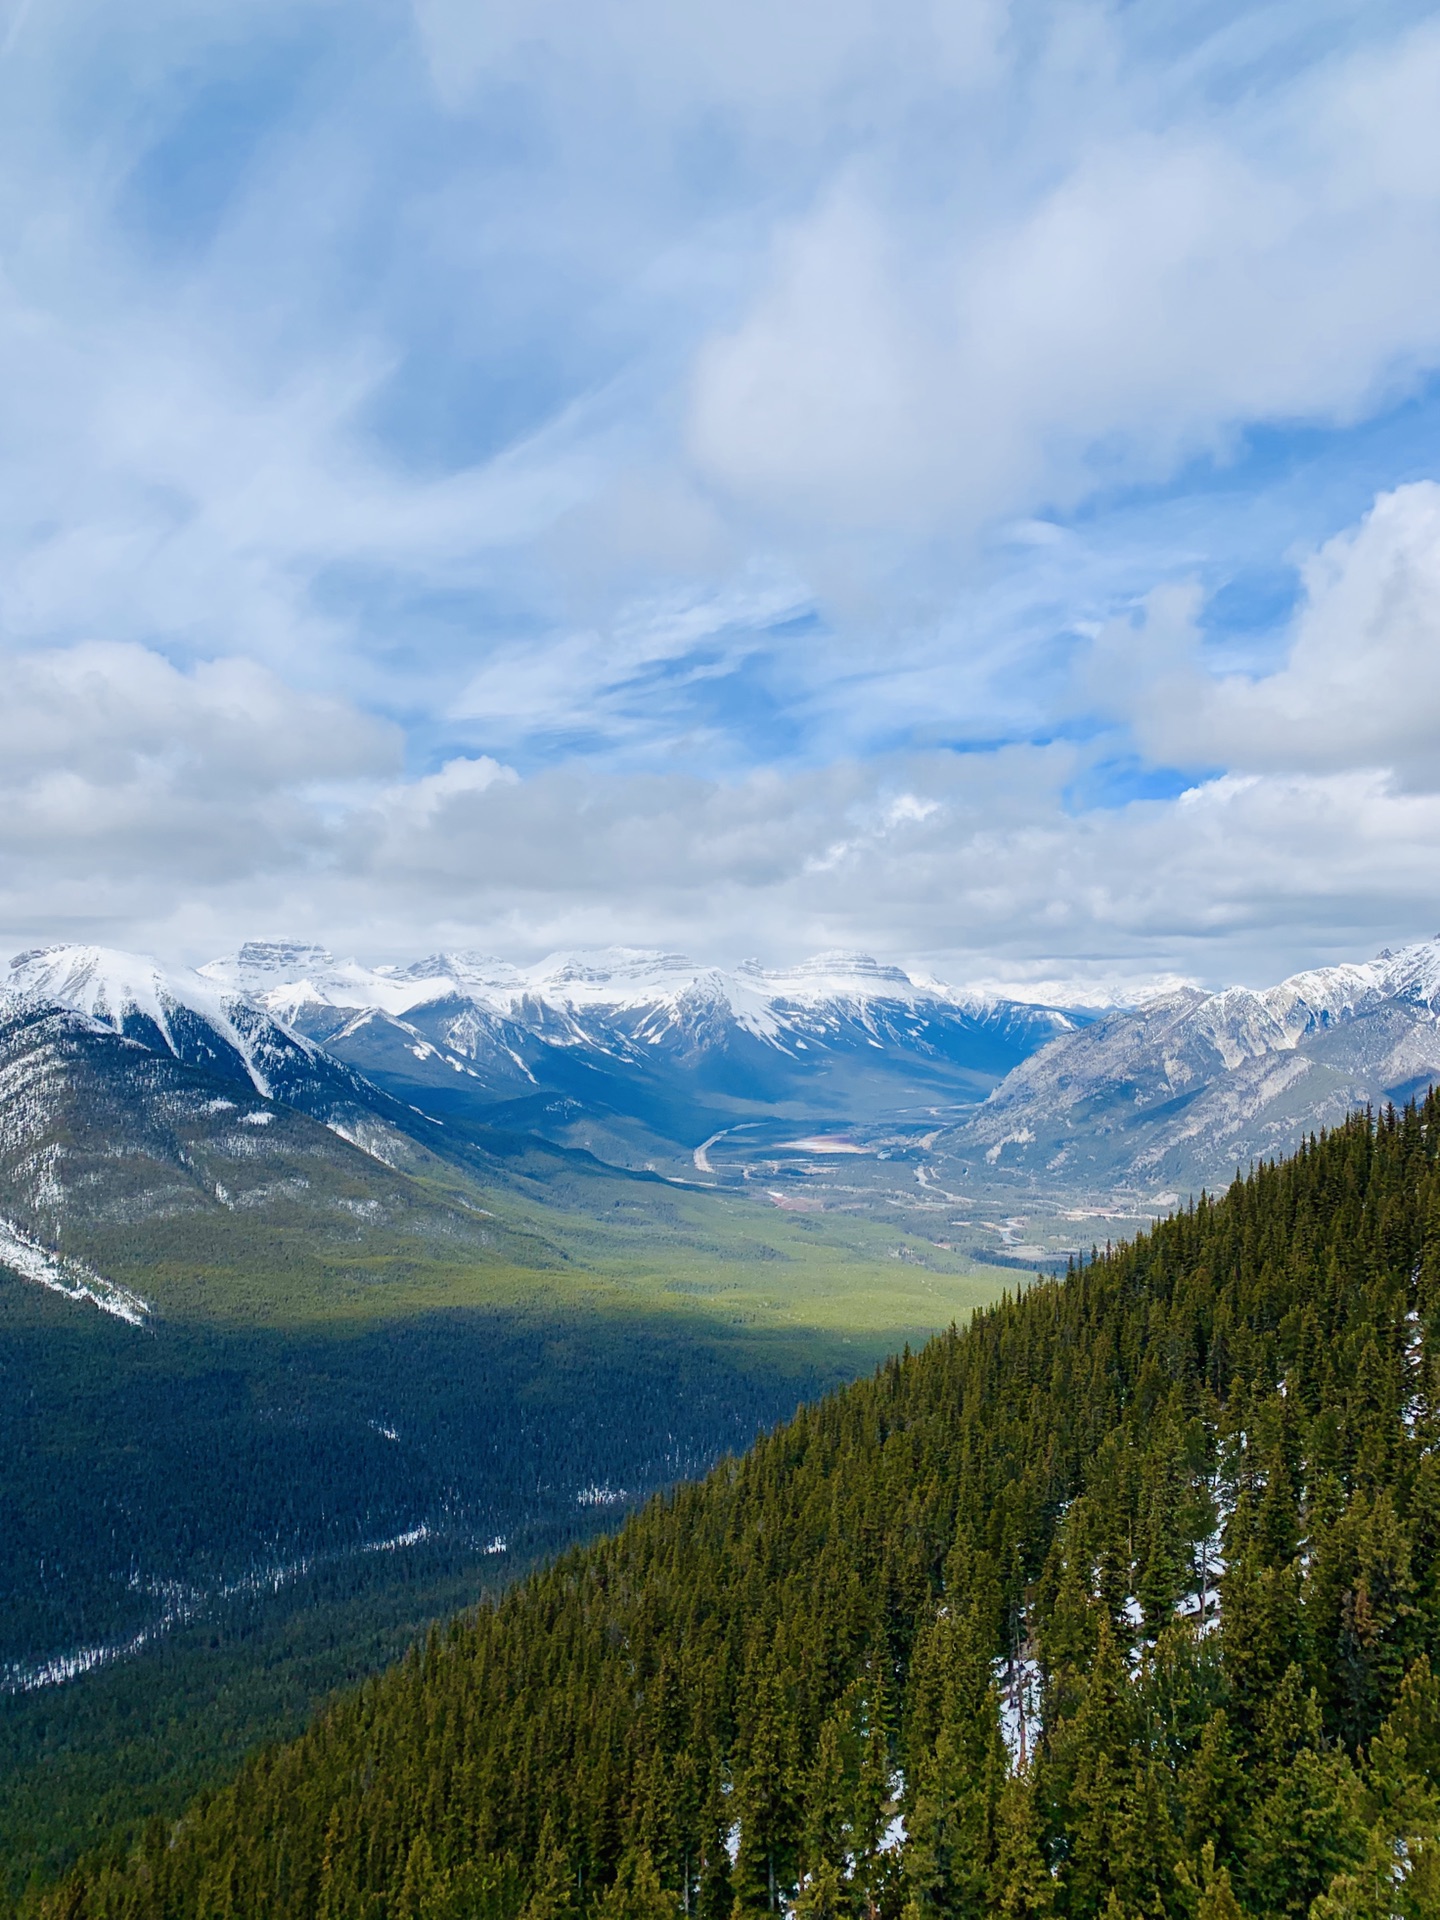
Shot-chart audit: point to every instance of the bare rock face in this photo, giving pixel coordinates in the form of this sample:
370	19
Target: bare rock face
1181	1090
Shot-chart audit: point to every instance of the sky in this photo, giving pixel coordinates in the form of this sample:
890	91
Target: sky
949	479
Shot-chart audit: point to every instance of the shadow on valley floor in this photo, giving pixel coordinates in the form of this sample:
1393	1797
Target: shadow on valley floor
204	1529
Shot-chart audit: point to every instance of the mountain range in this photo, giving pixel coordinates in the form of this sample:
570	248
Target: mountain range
633	1054
1182	1089
629	1062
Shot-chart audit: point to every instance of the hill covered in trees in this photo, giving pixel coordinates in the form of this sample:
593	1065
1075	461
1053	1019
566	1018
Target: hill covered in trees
1121	1603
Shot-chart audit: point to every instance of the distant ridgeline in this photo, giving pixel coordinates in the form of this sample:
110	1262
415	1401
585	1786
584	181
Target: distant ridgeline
1121	1603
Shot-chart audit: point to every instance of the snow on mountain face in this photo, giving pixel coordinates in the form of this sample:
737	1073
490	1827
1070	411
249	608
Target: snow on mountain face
285	975
106	984
652	1034
138	997
226	1034
1191	1083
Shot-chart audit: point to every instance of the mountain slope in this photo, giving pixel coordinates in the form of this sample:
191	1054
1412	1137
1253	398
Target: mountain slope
172	1010
129	1174
1122	1602
661	1051
1181	1090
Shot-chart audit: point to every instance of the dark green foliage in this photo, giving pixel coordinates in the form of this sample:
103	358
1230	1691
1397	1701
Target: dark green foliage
245	1469
1243	1405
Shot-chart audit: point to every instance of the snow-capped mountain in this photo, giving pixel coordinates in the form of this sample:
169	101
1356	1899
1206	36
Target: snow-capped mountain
640	1057
652	1039
1183	1088
205	1025
289	977
152	1121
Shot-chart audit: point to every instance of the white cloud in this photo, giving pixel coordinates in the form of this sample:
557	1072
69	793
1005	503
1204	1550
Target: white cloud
124	780
531	413
418	801
1360	685
104	709
972	861
1156	288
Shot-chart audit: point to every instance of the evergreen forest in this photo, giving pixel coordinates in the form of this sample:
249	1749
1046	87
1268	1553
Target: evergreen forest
1121	1602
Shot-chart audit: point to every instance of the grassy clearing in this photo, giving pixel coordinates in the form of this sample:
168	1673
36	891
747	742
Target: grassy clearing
701	1258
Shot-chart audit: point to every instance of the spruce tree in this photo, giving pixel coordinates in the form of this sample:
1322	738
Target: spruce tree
1021	1884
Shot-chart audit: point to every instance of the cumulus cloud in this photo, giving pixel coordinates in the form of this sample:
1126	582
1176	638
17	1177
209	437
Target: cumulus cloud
1360	683
974	861
961	859
124	780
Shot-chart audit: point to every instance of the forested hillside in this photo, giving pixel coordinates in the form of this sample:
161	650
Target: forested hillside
1121	1602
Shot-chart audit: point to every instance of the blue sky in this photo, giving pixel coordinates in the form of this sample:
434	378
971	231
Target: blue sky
953	479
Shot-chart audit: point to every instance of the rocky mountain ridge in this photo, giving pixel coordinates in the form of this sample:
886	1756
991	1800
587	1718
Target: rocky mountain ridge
1185	1087
639	1055
646	1059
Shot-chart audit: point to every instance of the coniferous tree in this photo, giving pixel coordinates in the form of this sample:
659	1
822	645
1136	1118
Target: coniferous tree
1021	1884
758	1660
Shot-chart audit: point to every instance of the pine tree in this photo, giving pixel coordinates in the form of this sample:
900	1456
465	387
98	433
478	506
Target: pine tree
765	1805
1021	1884
636	1893
1094	1755
872	1807
1215	1895
1213	1791
953	1790
825	1895
1161	1579
1307	1828
553	1879
828	1799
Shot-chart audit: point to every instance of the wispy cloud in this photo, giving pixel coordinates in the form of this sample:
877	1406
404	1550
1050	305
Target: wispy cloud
745	473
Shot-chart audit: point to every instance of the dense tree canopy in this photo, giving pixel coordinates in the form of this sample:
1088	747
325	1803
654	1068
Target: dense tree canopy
1120	1603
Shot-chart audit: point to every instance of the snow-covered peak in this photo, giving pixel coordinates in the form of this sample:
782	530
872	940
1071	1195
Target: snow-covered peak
1325	996
615	977
112	987
459	969
840	975
106	984
286	975
1414	972
278	960
1245	1023
1182	1041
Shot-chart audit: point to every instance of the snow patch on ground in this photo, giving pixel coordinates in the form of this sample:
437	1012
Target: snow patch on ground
1019	1683
1022	1137
601	1496
412	1537
181	1605
24	1255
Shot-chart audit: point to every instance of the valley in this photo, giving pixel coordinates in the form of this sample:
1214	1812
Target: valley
333	1297
289	1366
